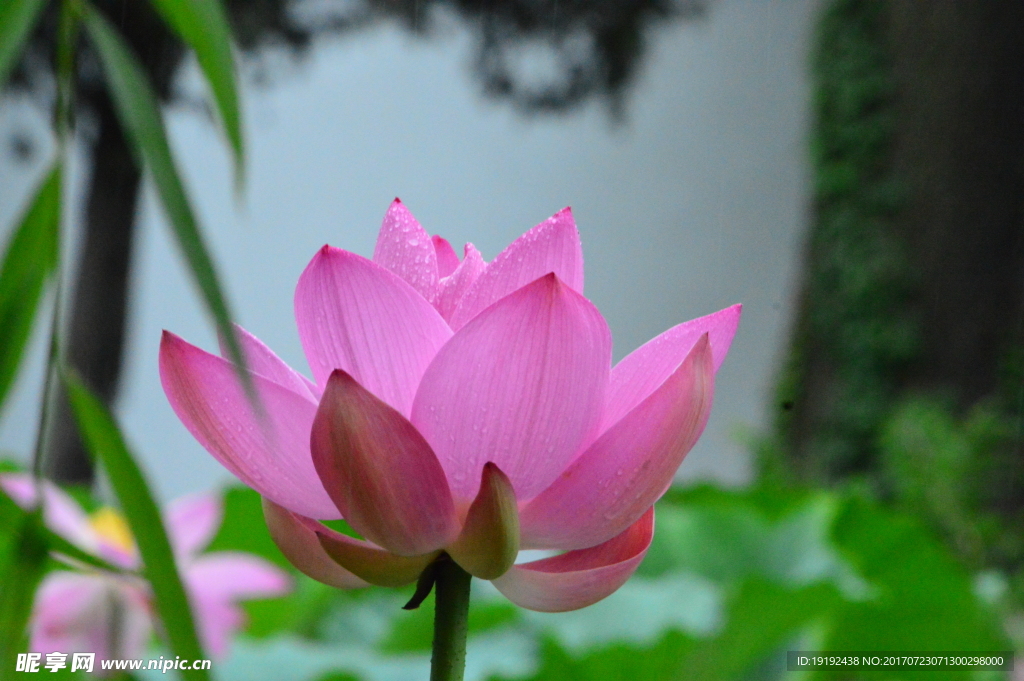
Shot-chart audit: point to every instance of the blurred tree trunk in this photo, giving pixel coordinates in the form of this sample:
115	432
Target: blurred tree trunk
958	67
98	304
914	263
99	301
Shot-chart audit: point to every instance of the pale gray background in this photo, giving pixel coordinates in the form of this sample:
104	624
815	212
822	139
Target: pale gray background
698	201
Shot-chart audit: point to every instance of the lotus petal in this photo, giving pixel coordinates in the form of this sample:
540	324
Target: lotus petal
74	612
380	472
215	581
521	385
371	563
259	359
447	258
357	316
551	246
629	467
192	521
269	454
405	248
302	548
453	287
641	372
579	578
61	513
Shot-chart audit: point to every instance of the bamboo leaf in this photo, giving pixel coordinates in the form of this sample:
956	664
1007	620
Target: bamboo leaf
203	26
17	18
28	262
22	570
139	114
103	440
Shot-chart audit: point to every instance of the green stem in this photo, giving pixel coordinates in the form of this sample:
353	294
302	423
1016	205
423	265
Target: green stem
67	35
451	614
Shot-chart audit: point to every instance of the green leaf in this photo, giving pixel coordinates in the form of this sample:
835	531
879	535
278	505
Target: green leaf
17	18
139	114
103	440
244	529
29	260
921	598
762	618
203	25
22	571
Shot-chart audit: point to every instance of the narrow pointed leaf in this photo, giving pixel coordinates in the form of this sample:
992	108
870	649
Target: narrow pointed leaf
23	569
17	18
103	440
139	113
28	262
203	26
489	542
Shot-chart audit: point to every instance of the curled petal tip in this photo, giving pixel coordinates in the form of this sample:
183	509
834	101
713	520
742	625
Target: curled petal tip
579	578
372	564
489	542
296	537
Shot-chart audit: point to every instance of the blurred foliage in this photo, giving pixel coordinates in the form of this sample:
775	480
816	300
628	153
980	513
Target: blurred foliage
846	410
732	581
851	334
105	443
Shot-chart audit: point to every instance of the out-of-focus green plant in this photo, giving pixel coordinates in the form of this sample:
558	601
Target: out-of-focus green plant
734	580
32	263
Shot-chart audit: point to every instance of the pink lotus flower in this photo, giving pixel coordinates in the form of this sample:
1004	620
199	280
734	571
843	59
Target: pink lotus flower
458	406
111	614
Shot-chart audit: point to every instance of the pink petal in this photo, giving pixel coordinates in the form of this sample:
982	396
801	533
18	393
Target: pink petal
90	613
217	622
356	316
368	561
579	578
61	513
261	360
192	521
216	581
300	546
405	248
68	614
447	258
270	455
452	288
629	467
521	385
641	372
380	472
551	246
234	575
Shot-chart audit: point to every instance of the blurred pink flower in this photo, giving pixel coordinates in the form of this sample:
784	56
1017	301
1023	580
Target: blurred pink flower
459	406
111	614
